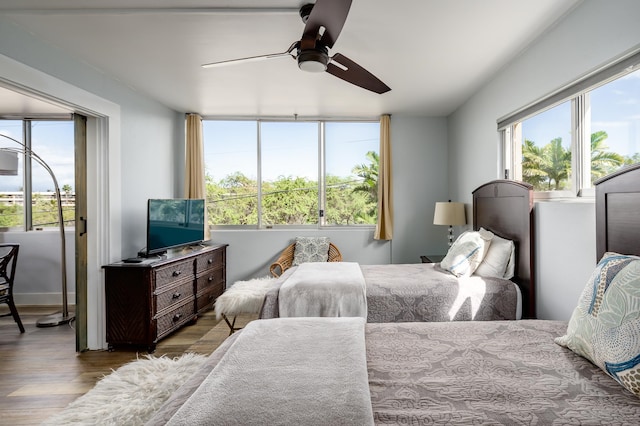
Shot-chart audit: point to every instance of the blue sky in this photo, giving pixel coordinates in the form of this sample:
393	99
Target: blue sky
287	148
53	142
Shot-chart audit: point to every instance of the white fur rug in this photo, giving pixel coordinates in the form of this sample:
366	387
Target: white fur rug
131	394
243	297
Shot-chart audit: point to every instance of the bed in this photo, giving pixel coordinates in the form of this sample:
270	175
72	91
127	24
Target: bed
469	372
426	292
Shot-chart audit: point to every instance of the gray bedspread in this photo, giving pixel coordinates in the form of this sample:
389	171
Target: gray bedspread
488	373
424	292
480	373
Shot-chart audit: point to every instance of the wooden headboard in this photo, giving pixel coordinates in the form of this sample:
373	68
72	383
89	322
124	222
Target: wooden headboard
505	207
618	212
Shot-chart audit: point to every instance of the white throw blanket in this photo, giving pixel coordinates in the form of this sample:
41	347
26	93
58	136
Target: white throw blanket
324	289
287	371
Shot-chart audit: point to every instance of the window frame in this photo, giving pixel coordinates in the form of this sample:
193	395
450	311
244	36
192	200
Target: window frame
322	204
510	132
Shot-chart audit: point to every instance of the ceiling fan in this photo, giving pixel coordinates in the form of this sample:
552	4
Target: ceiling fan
323	22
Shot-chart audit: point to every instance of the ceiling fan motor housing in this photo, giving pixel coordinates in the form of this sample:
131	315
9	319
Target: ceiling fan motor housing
305	11
313	60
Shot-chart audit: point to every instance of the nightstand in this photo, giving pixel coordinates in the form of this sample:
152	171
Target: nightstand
432	258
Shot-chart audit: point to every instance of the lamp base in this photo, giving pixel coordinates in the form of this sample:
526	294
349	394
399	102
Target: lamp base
56	319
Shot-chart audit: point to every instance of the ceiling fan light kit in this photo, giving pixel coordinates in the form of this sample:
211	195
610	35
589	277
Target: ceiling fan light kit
313	60
323	23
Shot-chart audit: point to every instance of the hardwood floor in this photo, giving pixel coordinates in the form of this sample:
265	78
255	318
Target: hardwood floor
40	372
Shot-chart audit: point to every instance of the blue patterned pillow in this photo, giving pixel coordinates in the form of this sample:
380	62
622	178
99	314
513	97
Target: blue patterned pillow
605	326
311	249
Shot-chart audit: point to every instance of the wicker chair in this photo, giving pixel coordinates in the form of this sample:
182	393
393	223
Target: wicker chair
286	259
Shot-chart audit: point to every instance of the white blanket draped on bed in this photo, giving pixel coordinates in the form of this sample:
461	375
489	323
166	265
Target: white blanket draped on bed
324	289
295	371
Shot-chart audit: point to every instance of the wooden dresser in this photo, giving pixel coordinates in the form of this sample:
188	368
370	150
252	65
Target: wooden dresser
147	301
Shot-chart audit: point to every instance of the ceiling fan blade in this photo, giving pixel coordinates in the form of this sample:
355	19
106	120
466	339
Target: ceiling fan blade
347	70
330	14
249	59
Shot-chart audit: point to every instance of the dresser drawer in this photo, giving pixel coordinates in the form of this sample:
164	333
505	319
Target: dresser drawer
172	295
175	272
175	318
209	260
209	279
205	300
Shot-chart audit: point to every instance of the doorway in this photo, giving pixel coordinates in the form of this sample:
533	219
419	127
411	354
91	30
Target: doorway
103	178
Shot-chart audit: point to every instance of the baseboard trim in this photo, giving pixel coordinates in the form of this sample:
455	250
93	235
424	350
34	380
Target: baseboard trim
46	299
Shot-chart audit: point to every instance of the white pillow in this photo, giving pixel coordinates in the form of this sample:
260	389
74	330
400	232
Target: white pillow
499	261
467	252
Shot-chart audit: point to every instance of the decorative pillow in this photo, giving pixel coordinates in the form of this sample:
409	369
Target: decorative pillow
311	249
605	326
467	252
499	261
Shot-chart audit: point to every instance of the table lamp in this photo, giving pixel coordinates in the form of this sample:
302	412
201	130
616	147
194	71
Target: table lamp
448	213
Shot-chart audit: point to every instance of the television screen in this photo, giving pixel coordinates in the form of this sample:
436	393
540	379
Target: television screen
174	223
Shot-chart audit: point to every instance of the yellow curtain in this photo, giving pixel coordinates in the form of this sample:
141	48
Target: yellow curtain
194	186
384	227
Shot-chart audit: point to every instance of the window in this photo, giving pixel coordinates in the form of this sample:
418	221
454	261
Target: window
546	149
27	201
291	173
615	125
351	173
563	144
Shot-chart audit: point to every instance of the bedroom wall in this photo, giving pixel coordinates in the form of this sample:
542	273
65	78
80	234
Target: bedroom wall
145	127
591	35
419	181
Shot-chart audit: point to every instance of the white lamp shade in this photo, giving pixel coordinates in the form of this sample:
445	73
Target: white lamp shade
8	163
448	213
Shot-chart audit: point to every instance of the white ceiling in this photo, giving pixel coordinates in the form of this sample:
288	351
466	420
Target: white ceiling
434	54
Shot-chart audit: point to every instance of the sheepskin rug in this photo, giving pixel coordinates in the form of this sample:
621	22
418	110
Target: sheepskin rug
131	394
243	297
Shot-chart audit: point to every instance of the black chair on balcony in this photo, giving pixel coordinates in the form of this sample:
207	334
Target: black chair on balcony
8	260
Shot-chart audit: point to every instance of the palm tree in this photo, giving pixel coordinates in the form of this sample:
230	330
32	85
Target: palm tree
558	163
603	161
551	164
369	175
533	159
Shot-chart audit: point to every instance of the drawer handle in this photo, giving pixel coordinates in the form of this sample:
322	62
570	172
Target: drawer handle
176	317
210	261
211	296
176	273
210	279
177	295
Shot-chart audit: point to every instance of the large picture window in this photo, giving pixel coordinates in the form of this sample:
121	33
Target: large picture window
266	173
562	145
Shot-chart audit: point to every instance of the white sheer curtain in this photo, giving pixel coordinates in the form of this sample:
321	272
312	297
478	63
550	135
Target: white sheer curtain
384	227
194	186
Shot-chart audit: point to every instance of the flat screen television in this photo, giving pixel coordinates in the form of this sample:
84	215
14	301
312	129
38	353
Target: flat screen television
174	223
